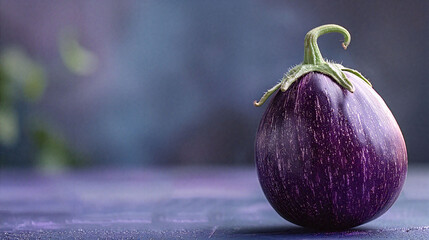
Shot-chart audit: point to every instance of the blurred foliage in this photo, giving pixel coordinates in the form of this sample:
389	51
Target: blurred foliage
22	73
9	130
24	80
75	57
19	76
53	150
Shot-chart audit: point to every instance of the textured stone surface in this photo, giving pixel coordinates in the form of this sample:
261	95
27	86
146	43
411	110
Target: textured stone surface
186	203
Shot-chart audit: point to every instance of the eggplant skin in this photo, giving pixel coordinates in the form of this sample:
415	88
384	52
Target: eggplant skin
327	158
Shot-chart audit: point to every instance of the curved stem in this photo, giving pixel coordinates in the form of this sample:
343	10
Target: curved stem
312	53
314	62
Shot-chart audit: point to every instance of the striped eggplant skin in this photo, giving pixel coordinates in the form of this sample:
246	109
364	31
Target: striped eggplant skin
327	158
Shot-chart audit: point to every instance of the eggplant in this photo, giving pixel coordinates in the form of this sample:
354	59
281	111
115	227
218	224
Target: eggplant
329	153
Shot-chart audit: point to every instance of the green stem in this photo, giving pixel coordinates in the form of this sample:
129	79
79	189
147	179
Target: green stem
312	53
314	62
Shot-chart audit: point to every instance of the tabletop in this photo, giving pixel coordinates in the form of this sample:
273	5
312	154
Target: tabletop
177	203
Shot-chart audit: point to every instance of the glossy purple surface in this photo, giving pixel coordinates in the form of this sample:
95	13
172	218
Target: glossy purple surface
328	158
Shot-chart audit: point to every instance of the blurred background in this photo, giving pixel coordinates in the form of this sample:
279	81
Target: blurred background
137	83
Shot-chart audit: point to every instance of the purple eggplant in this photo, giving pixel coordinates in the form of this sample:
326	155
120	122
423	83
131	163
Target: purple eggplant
329	153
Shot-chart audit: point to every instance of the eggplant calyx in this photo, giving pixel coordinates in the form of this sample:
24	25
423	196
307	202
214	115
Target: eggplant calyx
314	62
355	72
330	69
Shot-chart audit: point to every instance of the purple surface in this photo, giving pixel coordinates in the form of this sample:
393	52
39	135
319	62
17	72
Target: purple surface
185	203
328	158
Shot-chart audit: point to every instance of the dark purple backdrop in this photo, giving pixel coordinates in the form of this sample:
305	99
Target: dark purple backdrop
176	80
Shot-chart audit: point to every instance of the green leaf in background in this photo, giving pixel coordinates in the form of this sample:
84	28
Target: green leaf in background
21	70
5	91
23	78
53	151
76	58
9	130
35	84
